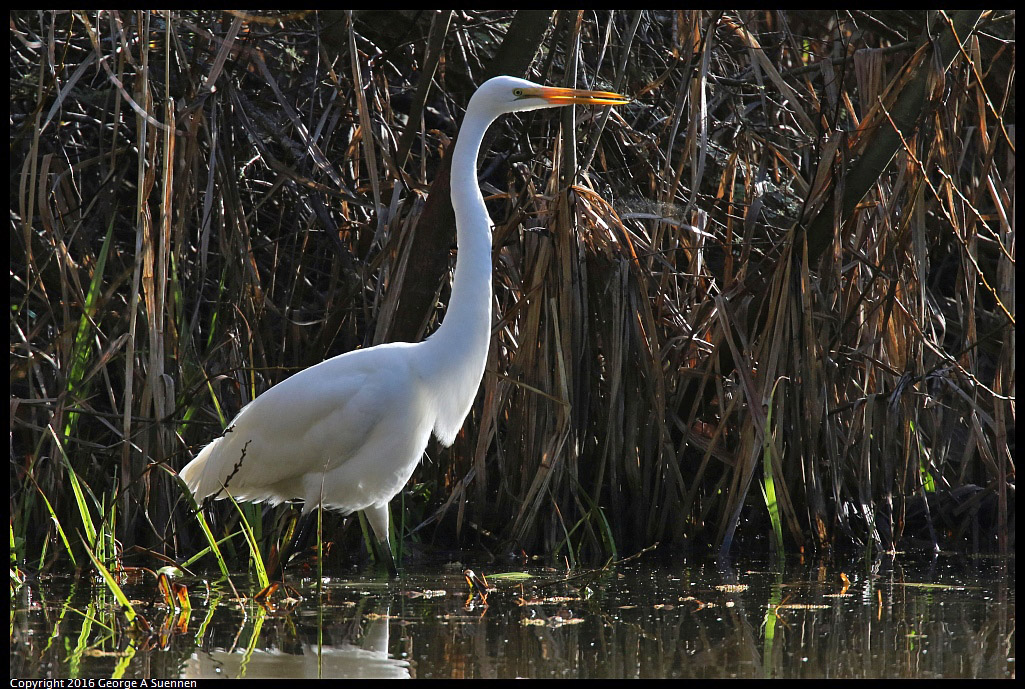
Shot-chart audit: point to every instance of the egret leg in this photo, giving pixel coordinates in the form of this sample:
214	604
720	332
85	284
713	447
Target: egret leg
378	518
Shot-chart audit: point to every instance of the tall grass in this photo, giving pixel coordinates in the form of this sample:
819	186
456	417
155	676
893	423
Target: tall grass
818	204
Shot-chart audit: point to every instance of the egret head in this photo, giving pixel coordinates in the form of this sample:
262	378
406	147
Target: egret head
505	94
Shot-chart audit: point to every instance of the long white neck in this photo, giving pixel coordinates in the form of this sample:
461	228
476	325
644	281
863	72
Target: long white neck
456	353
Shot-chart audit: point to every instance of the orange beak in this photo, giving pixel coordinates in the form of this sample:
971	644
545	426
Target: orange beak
561	96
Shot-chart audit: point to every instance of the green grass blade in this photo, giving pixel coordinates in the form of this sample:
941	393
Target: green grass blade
60	529
208	550
76	488
203	526
112	584
254	549
769	487
81	348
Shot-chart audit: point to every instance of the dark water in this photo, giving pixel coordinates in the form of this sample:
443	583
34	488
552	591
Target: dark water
948	616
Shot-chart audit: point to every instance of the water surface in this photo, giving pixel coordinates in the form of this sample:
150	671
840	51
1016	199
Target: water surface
900	616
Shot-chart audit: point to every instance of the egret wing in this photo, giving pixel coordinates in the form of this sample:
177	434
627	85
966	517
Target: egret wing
308	424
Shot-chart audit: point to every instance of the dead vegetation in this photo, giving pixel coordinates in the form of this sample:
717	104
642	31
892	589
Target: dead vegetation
772	301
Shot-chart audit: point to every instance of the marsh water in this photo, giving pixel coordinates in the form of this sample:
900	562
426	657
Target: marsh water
896	616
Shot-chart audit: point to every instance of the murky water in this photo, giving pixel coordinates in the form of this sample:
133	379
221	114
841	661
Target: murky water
897	617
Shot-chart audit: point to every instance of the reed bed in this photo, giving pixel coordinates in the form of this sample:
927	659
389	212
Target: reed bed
769	305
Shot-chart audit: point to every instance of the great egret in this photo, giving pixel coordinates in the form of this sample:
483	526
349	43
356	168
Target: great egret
348	432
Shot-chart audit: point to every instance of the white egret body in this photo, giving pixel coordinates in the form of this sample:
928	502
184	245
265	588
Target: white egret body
348	432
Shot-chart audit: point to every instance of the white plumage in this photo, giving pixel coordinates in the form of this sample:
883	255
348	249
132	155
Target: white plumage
349	431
